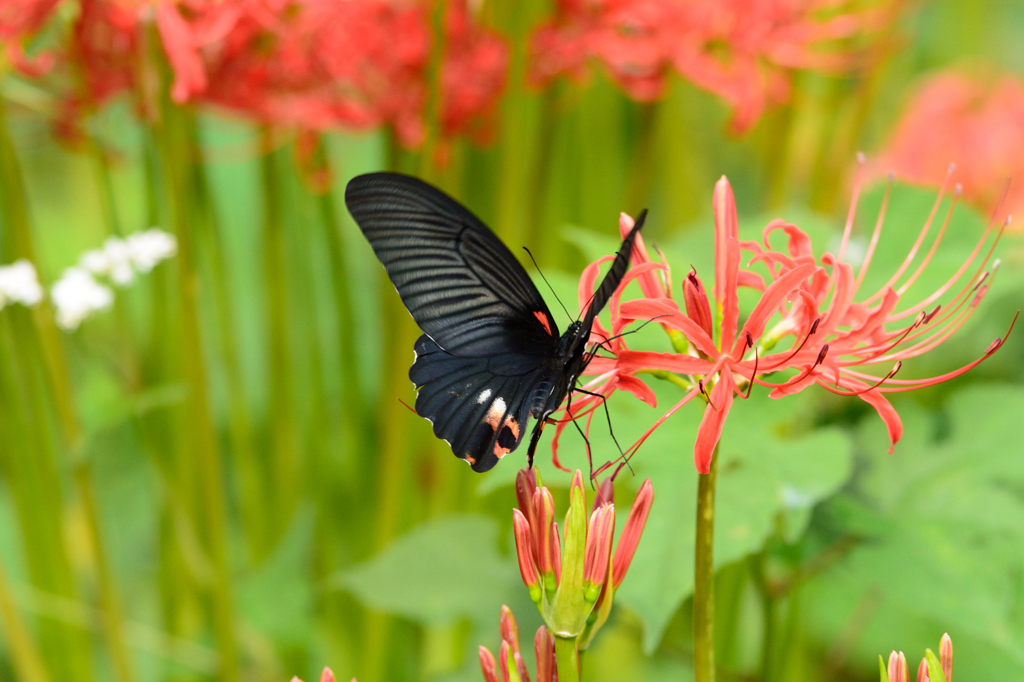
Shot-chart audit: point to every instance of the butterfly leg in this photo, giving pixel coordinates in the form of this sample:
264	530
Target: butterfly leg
534	440
608	416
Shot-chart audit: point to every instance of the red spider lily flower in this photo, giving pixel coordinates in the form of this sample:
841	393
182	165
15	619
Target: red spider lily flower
313	64
510	665
740	50
963	117
836	340
20	19
473	74
574	589
103	58
320	64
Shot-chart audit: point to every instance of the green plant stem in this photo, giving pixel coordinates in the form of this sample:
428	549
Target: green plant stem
247	466
198	438
284	454
567	659
28	664
704	577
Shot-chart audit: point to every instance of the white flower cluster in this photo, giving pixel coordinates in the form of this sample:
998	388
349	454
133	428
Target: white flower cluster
78	294
122	259
19	284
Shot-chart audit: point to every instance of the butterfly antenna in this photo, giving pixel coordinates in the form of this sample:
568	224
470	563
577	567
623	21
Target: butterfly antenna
547	282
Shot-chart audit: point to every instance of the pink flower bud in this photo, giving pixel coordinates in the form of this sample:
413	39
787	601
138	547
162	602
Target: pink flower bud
526	484
525	552
509	628
327	675
696	300
521	670
544	648
632	531
922	671
598	552
543	542
898	668
488	666
504	654
946	656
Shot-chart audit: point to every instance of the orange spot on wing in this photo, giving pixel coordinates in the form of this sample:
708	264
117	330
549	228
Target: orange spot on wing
543	320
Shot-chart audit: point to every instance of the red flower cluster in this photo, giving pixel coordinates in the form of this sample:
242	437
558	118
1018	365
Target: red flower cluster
310	64
740	50
848	346
320	64
963	118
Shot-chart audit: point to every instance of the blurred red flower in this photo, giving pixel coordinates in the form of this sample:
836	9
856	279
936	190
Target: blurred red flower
741	50
473	74
320	64
848	347
19	19
976	122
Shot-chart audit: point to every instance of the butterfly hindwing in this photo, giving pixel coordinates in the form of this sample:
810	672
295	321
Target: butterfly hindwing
479	405
463	287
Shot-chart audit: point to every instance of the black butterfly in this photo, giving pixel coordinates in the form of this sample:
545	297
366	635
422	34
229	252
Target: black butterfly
490	356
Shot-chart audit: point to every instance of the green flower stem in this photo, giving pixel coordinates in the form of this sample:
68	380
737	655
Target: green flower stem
704	577
284	453
567	659
252	497
198	439
28	664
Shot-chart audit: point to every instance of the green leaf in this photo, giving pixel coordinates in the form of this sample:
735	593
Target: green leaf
277	598
882	671
770	469
439	572
942	521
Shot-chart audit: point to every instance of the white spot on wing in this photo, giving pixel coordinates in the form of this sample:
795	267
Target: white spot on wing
484	396
496	413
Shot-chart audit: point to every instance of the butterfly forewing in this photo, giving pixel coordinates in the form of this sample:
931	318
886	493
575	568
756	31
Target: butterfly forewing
463	287
613	278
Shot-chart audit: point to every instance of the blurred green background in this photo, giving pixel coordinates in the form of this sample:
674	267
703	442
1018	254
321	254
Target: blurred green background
216	479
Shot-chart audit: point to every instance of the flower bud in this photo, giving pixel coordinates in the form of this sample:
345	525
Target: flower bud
946	656
600	535
505	665
508	627
922	671
631	532
898	667
543	543
544	648
525	552
526	484
488	666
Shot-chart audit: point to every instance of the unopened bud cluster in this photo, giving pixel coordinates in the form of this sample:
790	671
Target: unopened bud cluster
573	583
931	669
510	665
